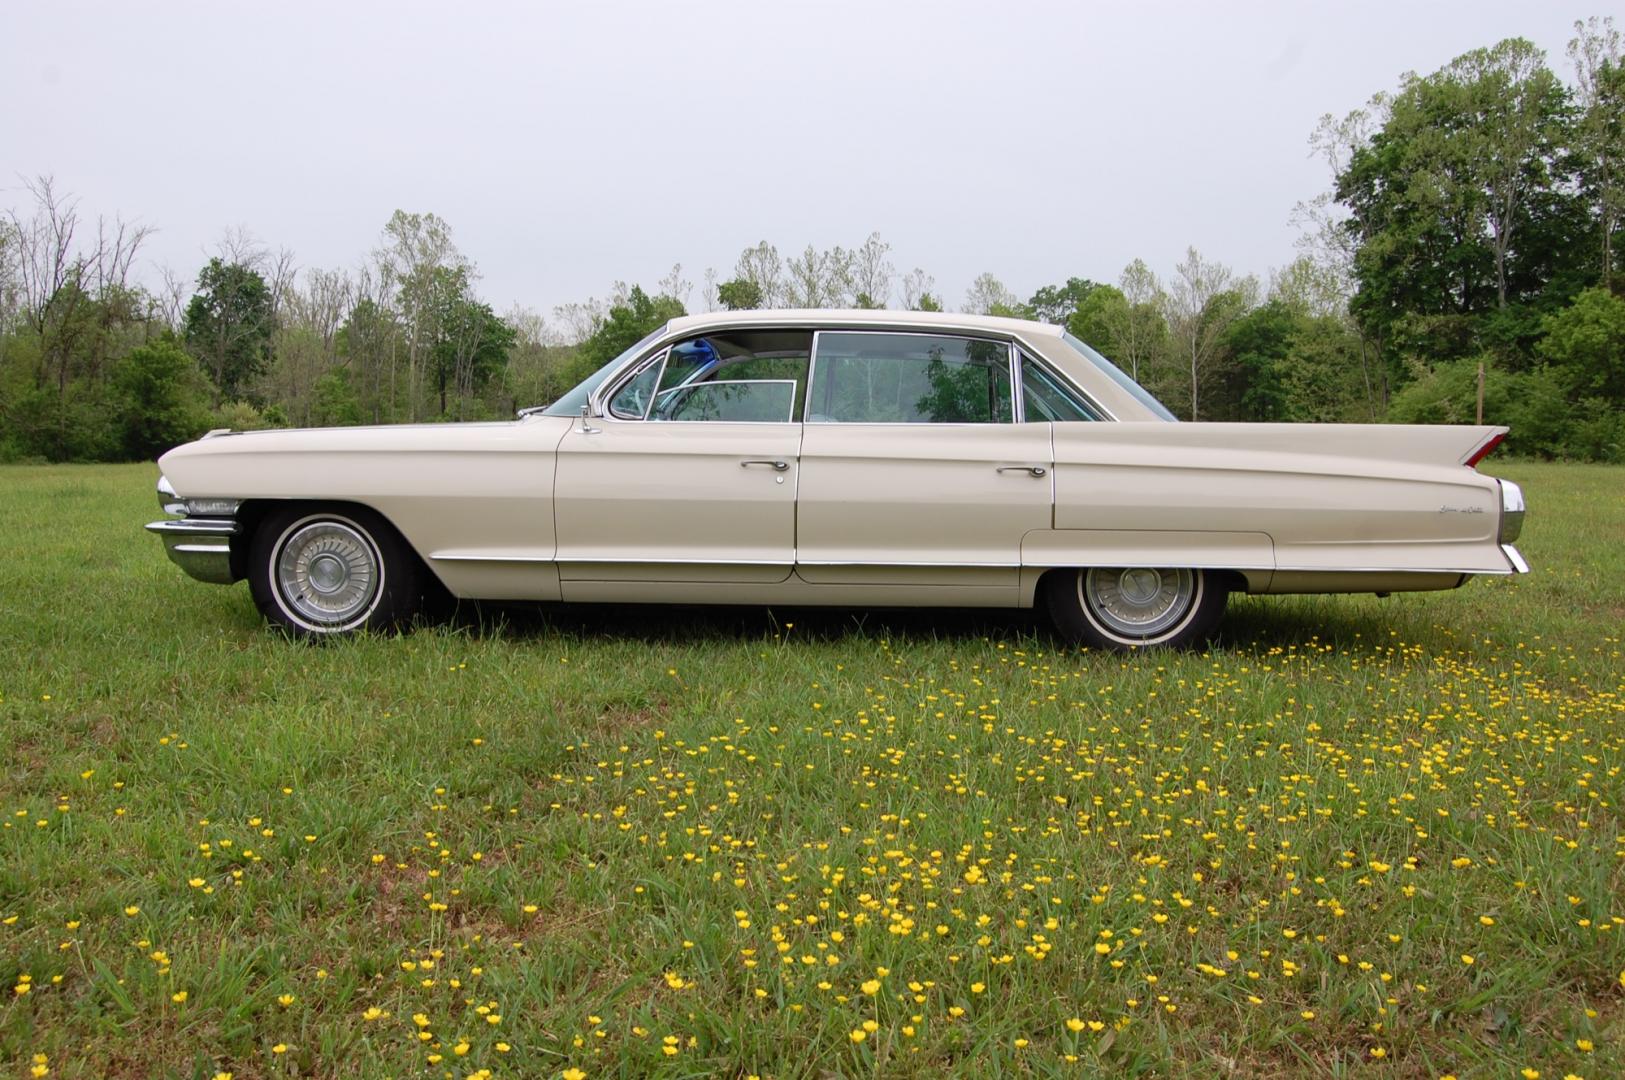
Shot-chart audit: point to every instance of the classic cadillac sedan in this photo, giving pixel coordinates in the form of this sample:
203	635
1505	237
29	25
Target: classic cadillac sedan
853	458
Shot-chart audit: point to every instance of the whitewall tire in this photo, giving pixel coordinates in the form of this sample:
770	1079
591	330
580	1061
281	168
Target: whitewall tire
1135	607
328	570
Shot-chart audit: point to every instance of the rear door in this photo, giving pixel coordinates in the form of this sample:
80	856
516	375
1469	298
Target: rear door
913	468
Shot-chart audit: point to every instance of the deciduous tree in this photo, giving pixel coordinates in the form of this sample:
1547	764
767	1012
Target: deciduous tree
229	323
740	294
1202	300
763	268
1599	71
1058	303
416	248
872	273
988	295
818	279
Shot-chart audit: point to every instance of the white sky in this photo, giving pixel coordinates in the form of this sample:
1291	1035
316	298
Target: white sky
573	144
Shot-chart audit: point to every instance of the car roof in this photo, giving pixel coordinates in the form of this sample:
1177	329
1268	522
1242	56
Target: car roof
849	317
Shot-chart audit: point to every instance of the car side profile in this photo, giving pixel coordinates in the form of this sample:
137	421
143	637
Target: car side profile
849	458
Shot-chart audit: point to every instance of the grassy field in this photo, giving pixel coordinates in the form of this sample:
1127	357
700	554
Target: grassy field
1359	836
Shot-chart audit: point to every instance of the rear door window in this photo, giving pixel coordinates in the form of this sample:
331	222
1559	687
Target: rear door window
895	378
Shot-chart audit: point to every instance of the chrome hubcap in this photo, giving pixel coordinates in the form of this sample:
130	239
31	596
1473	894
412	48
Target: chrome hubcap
327	572
1138	602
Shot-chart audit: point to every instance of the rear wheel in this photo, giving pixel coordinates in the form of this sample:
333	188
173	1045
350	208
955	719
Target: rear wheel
320	571
1135	606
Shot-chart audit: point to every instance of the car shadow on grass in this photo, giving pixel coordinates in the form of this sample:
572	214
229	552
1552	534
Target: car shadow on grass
664	623
1251	626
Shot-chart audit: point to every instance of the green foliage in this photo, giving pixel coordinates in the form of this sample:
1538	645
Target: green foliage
1261	343
739	294
470	346
1328	374
1585	342
626	324
1535	404
1468	200
242	416
161	399
1479	212
1447	394
1057	304
1096	315
1596	430
229	322
369	342
1538	412
73	425
335	401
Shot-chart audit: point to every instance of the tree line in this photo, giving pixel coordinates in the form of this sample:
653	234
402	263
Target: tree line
1471	223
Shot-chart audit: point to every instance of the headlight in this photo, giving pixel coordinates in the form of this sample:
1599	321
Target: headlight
204	507
212	507
1512	510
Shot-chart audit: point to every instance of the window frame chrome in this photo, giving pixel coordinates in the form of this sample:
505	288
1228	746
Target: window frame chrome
1090	404
598	399
659	359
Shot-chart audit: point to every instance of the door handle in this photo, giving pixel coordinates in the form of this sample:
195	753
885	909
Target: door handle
1030	470
776	466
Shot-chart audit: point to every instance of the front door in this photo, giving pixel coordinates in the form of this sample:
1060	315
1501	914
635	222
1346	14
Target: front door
691	476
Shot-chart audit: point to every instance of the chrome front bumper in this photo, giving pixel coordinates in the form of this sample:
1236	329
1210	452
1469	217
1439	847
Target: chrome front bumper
200	546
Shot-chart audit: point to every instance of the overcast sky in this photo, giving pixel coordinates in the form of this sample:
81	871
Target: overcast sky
572	145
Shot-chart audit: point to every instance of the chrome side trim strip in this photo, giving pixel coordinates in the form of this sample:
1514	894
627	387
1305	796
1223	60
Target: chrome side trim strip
922	565
1052	564
1385	570
456	556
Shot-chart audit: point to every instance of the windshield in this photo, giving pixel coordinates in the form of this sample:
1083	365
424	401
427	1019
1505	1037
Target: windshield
1118	376
570	404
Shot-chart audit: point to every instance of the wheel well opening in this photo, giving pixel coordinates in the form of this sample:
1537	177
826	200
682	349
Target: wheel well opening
1231	580
253	512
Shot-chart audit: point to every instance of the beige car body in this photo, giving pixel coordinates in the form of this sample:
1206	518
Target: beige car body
596	508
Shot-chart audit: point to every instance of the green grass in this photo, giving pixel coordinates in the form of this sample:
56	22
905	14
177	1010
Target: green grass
643	830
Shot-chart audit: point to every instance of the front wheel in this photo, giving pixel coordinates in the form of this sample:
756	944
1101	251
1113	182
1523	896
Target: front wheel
1134	607
318	571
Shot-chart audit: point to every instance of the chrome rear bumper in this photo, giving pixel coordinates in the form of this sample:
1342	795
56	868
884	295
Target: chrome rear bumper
200	546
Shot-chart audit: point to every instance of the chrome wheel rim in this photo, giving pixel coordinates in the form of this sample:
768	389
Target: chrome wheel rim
328	574
1136	601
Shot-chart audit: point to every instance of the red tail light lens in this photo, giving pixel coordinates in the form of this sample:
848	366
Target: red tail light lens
1484	451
